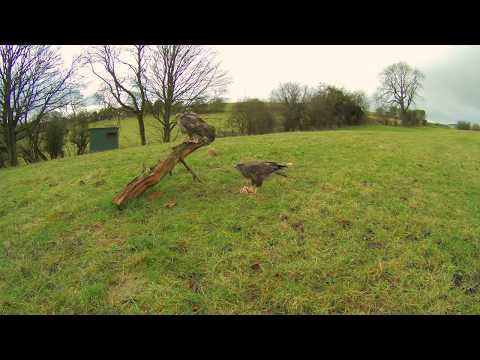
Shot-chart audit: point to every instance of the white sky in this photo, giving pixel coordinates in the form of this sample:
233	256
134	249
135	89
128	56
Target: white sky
256	70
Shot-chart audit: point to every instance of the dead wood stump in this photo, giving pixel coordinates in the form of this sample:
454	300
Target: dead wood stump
142	182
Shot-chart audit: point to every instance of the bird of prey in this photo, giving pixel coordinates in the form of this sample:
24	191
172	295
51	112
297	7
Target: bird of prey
196	129
257	171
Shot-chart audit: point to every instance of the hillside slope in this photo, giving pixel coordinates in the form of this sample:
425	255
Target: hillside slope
370	220
129	134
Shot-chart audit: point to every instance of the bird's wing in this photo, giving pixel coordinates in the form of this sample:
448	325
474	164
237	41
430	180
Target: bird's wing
275	165
188	123
257	168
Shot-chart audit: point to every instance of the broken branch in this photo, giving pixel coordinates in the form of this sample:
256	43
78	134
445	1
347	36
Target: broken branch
142	182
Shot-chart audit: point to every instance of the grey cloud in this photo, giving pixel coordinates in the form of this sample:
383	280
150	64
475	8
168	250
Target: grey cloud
452	91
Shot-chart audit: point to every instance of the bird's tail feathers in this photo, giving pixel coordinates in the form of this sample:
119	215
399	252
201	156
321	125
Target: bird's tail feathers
280	166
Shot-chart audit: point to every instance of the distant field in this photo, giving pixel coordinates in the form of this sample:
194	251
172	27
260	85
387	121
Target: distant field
129	133
373	219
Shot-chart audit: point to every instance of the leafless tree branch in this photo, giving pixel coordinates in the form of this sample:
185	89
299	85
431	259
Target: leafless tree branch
124	81
180	75
32	84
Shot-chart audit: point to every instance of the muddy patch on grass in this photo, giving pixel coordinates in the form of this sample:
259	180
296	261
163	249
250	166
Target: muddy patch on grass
457	278
256	266
180	247
297	226
300	230
374	245
109	241
371	240
103	238
100	183
194	282
345	224
126	288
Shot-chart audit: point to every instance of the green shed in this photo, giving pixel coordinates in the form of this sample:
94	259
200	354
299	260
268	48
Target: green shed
103	139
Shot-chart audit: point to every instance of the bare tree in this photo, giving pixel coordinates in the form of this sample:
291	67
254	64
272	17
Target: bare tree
124	80
293	98
400	85
181	75
33	83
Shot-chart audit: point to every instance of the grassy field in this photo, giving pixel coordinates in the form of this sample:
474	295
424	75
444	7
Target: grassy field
129	134
370	220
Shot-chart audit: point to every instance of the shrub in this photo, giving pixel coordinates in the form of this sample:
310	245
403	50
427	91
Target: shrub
331	107
54	138
252	116
414	118
476	127
464	125
80	136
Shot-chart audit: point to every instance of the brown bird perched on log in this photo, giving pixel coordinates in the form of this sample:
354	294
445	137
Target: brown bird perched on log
196	129
257	171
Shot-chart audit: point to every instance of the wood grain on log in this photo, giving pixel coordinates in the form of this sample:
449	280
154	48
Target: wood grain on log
142	182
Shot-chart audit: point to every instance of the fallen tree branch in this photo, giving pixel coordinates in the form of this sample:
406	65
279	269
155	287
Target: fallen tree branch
195	177
142	182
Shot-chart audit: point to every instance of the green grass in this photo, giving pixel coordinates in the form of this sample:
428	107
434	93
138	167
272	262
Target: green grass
390	220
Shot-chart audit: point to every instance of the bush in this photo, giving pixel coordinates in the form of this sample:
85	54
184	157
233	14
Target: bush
79	134
54	138
414	118
475	127
464	125
252	116
331	107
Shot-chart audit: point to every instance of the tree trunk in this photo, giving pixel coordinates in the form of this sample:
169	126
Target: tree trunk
142	182
403	116
166	125
166	134
11	142
141	126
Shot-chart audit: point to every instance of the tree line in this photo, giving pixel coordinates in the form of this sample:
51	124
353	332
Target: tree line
40	96
327	106
294	107
466	125
35	86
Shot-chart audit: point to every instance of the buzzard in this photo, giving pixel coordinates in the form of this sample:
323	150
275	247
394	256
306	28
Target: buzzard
195	128
257	171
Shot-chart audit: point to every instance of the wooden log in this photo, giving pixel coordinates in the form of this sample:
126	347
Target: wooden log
142	182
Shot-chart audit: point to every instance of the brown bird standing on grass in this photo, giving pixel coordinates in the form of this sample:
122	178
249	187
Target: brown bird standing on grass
257	171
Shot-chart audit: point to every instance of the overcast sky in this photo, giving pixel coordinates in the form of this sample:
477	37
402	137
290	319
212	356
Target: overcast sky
451	85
